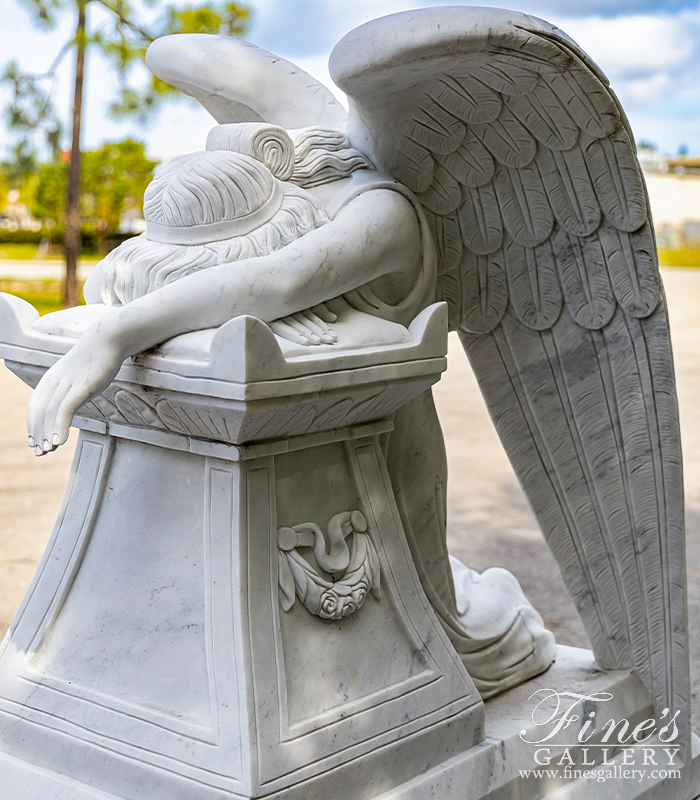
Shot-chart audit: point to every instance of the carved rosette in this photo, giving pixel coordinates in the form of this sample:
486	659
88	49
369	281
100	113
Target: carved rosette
345	554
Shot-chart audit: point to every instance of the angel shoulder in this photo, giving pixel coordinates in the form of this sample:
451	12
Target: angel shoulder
380	227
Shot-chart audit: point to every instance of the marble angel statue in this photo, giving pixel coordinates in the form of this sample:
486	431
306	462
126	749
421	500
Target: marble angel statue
485	162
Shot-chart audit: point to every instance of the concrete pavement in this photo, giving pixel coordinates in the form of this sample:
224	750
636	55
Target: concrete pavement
23	269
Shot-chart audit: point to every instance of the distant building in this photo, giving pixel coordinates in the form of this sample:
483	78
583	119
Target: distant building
674	196
652	160
16	216
684	165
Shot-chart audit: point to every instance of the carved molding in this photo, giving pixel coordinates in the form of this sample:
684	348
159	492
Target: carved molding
229	421
353	569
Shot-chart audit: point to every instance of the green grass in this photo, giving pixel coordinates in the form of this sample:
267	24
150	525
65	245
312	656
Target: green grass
45	295
26	252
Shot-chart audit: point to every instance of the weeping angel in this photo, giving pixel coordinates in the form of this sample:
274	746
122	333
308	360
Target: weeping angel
485	162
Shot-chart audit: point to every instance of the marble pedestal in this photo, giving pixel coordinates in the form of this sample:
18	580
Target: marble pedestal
500	767
153	656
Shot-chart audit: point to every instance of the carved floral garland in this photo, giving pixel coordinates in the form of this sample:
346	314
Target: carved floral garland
354	569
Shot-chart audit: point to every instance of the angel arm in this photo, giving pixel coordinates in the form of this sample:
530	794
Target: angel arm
376	235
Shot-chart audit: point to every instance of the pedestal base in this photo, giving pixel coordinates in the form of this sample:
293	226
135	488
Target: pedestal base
167	650
501	767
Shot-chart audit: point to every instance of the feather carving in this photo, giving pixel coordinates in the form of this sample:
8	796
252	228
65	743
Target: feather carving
617	180
586	99
449	290
531	49
584	278
467	98
527	215
435	128
416	166
444	193
480	220
505	75
471	164
633	267
555	291
448	241
569	190
533	284
484	291
507	139
543	114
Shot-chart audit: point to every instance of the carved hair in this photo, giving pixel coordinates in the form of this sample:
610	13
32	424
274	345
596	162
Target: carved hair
192	200
267	143
195	192
306	156
205	188
322	155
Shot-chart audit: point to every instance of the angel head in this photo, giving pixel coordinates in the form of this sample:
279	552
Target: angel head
240	198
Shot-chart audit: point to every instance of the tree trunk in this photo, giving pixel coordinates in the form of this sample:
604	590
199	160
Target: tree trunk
71	242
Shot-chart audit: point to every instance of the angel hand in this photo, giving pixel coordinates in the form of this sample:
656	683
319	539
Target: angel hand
83	372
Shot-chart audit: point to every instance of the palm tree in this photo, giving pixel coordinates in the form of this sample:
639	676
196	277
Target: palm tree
124	44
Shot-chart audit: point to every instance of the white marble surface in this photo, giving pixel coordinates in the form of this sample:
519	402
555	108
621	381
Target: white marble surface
507	187
129	653
523	163
494	769
262	87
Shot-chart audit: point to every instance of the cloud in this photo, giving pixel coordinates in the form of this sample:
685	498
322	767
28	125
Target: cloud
309	27
653	66
648	48
636	46
650	90
605	8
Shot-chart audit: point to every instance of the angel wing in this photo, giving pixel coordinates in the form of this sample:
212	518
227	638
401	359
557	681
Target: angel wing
237	81
523	161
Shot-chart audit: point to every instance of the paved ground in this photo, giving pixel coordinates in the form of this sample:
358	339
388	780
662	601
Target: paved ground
490	522
18	269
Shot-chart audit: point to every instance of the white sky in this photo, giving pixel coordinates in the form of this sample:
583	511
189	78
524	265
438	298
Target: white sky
648	48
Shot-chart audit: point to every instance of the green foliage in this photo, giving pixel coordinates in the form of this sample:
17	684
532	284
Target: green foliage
44	302
21	165
50	191
4	188
44	295
114	178
227	18
123	41
44	11
19	172
21	239
31	107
